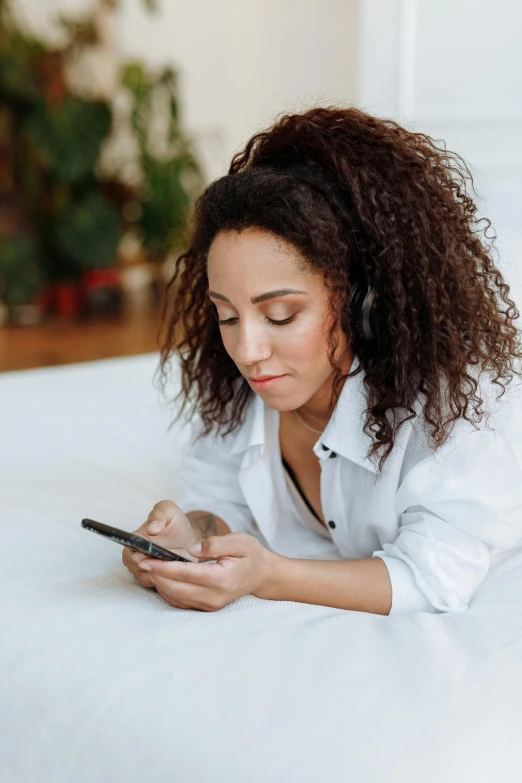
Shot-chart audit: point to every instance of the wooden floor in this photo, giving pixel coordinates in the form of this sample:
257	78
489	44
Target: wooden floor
60	341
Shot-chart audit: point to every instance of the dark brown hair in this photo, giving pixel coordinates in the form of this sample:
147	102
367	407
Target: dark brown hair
443	303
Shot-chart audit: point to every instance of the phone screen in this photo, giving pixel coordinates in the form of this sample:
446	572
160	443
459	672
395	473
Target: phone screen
131	540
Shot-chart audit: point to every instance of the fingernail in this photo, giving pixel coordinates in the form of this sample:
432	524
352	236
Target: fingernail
137	557
154	526
144	566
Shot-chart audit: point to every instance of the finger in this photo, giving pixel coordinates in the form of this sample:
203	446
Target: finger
141	576
209	575
138	557
127	557
184	596
131	557
156	520
155	525
160	516
183	552
170	599
147	582
231	544
162	507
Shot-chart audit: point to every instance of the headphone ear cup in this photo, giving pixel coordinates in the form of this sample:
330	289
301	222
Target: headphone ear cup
362	306
359	308
369	321
355	306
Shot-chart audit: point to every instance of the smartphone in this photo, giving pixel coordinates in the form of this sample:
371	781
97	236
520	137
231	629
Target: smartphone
132	541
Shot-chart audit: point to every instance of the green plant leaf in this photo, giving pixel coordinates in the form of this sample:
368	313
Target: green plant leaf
165	207
21	276
88	232
18	55
68	139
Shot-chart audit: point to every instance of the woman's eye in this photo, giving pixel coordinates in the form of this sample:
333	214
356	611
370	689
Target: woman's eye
230	321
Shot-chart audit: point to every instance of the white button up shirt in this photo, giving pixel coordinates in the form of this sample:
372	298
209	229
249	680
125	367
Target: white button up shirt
436	517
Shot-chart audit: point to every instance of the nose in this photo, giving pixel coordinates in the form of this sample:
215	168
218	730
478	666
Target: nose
251	345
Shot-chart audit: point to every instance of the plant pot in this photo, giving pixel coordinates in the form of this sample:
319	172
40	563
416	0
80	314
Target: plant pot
46	299
103	291
68	299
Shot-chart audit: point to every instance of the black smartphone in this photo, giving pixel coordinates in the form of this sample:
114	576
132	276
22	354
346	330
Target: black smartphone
132	541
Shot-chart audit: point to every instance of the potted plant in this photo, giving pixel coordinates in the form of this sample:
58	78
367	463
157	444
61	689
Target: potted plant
57	184
21	280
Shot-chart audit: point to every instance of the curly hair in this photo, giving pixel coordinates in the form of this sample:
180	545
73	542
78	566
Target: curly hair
443	304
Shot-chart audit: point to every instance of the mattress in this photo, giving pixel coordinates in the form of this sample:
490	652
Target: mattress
102	680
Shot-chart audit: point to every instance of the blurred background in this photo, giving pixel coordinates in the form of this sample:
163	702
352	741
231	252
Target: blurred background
116	114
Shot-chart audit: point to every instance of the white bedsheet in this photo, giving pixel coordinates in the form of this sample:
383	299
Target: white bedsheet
102	680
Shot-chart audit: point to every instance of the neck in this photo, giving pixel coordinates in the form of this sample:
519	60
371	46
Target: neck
317	410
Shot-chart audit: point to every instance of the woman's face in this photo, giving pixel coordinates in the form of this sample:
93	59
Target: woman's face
255	280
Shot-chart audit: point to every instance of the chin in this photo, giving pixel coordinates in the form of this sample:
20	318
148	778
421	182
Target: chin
284	405
275	405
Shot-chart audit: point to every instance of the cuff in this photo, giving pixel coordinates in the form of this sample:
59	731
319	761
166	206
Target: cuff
406	596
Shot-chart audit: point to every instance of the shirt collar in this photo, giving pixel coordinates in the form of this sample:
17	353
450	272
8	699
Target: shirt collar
343	435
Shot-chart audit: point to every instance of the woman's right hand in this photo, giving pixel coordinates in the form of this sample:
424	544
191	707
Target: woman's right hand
173	531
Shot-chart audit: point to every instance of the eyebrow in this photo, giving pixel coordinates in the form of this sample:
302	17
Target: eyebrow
262	297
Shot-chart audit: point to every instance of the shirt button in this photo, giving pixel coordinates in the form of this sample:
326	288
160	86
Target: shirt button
333	454
331	523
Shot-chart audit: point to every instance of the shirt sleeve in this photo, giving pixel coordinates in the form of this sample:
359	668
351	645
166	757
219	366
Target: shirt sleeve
208	479
455	507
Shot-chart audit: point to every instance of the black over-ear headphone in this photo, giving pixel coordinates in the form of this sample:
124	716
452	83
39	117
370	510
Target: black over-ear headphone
362	298
362	305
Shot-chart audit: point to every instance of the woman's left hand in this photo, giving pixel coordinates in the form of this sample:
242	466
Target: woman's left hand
244	566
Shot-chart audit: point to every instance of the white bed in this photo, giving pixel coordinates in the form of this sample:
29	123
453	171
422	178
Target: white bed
102	680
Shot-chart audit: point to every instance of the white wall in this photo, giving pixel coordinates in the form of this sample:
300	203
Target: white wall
453	69
241	62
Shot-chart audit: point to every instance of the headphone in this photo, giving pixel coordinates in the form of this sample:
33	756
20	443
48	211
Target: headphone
362	305
362	298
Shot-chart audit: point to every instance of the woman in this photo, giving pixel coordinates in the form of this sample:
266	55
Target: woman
345	338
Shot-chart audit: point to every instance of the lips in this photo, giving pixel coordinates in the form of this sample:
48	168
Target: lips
267	382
